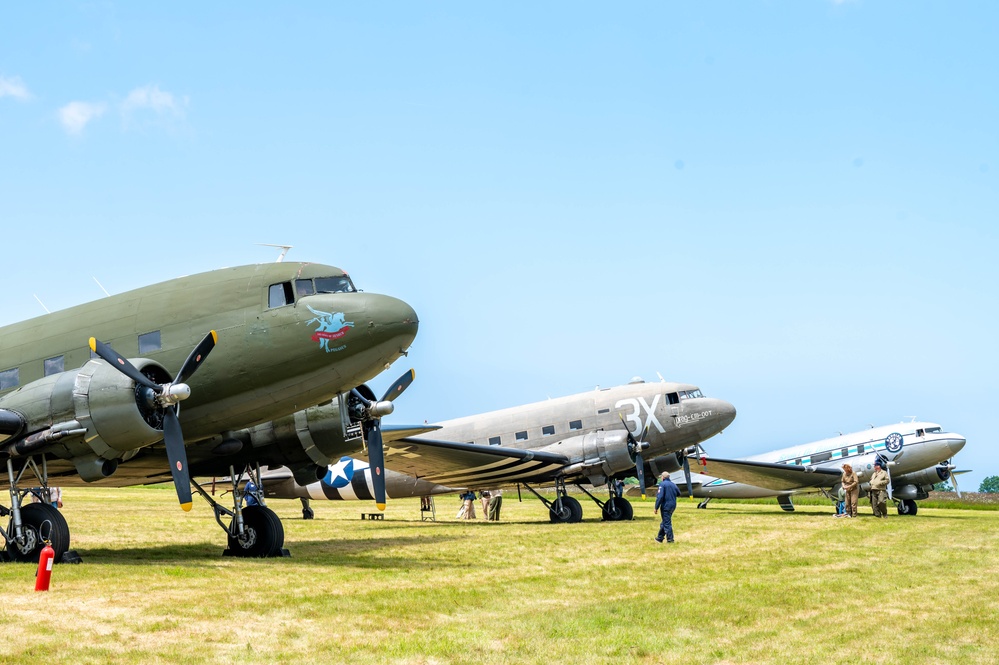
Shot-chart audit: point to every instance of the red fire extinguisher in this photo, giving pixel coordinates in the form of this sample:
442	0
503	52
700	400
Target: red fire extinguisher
45	561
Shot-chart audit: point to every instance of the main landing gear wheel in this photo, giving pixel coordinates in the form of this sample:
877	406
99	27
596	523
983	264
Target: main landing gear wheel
907	507
617	509
263	534
565	509
40	520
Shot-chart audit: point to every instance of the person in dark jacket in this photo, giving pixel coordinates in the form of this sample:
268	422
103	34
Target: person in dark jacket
666	503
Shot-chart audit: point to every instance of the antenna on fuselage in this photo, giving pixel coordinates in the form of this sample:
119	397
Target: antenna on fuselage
47	311
284	249
660	377
102	287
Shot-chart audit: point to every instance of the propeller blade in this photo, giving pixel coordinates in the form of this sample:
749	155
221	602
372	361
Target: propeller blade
640	472
197	356
686	475
953	479
888	471
400	385
376	459
357	393
119	362
177	454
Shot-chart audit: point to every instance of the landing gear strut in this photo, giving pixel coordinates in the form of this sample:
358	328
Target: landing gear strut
564	508
704	504
307	512
615	509
255	530
32	524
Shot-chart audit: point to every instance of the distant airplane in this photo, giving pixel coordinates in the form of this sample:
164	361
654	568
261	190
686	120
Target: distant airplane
288	334
916	456
593	437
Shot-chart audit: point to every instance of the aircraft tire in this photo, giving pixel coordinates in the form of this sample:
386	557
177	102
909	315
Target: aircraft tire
907	507
617	509
571	511
36	518
264	534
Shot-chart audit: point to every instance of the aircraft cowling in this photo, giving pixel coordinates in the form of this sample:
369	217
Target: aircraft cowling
314	435
670	463
924	478
598	455
93	416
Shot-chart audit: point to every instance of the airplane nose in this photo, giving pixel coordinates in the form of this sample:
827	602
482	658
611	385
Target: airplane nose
724	413
956	443
392	317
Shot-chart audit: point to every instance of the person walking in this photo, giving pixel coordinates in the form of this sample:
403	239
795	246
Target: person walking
666	503
484	497
879	485
851	488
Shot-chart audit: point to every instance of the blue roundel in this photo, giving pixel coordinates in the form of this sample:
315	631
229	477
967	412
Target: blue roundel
340	474
893	442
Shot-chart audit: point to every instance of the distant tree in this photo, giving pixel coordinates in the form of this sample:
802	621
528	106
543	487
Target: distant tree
943	487
990	485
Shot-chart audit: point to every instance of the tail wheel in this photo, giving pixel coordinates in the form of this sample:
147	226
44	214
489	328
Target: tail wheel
40	521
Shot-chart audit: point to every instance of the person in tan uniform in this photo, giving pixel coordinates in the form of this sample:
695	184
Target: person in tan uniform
879	485
851	485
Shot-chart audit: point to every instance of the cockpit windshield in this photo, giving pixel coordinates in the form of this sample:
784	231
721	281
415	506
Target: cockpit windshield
691	394
340	284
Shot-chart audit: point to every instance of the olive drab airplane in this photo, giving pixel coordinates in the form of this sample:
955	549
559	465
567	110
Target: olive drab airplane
916	455
281	336
593	437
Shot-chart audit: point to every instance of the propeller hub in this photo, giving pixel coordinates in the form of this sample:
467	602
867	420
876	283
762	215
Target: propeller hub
173	393
379	409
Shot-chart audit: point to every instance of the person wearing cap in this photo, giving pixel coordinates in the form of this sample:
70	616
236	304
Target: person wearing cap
851	487
666	502
879	485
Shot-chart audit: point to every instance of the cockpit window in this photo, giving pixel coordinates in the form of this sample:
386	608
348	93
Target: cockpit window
304	287
691	394
340	284
280	294
933	430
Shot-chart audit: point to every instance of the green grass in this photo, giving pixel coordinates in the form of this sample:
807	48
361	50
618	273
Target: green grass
745	583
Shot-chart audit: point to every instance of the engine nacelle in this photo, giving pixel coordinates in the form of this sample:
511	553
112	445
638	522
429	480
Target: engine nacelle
598	455
923	478
93	415
319	435
669	463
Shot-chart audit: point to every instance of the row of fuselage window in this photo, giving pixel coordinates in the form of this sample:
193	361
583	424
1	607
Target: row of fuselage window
11	378
547	430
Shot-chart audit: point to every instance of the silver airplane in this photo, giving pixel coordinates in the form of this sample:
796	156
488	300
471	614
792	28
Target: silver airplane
916	455
590	437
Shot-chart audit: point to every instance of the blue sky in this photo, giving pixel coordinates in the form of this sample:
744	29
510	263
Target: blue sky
790	204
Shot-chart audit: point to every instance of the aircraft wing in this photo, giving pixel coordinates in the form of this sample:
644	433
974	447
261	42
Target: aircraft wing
470	465
392	433
767	474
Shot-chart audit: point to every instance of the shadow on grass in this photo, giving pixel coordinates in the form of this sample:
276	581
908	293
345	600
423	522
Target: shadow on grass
359	552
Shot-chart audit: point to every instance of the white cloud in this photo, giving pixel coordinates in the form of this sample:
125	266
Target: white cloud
13	87
152	98
76	115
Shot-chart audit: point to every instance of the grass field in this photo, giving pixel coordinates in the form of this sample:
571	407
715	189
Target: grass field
744	583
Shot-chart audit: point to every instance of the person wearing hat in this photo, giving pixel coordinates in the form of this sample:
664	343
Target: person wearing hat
666	502
879	485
